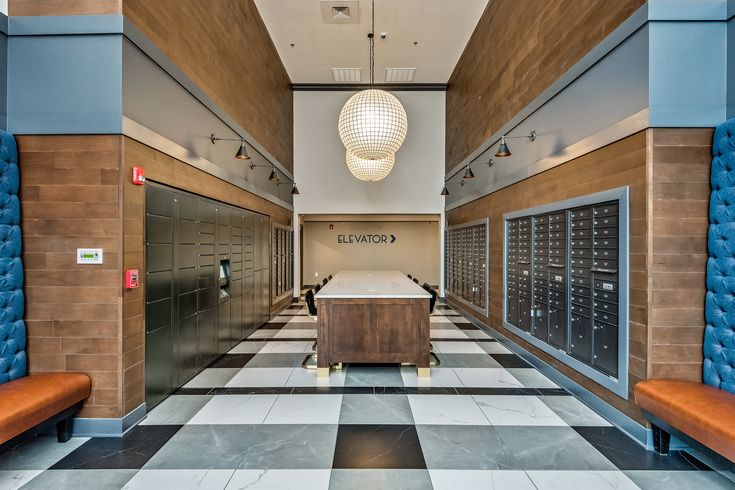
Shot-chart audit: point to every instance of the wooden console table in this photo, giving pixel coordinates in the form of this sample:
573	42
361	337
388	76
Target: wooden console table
372	317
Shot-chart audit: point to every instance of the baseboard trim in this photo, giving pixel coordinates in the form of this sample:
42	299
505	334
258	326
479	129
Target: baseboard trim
114	427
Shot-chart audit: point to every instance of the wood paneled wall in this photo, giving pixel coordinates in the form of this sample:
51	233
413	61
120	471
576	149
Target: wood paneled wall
679	170
64	7
518	50
76	193
225	48
163	169
620	164
69	199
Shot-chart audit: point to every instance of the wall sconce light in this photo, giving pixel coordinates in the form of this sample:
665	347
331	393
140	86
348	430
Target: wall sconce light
504	151
242	151
295	190
468	174
445	191
274	176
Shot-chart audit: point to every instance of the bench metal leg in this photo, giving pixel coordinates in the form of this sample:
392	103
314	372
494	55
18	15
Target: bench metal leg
63	429
661	440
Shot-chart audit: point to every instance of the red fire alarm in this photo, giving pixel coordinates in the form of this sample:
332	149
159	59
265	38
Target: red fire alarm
138	176
131	278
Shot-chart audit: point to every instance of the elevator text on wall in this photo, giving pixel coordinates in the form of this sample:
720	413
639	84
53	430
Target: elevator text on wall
366	239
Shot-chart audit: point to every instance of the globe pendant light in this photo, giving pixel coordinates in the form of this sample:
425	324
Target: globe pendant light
370	170
372	124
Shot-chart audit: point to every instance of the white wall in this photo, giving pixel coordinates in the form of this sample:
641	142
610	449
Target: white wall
4	7
326	185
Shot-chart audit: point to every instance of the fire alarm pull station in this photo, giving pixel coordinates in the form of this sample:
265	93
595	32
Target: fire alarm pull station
138	176
131	278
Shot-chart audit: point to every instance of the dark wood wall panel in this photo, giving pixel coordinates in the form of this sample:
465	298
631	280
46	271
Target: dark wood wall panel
620	164
680	162
69	197
519	48
224	47
64	7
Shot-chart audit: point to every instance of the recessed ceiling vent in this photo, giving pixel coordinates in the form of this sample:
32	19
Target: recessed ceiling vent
340	11
347	74
397	75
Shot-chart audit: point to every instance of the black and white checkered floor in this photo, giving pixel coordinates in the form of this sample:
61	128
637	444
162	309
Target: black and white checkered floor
256	419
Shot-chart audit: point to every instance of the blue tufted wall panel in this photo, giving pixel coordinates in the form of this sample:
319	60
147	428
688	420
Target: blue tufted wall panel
719	335
12	329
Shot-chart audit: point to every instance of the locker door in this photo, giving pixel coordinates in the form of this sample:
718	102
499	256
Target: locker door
207	285
265	245
249	275
159	280
186	287
236	289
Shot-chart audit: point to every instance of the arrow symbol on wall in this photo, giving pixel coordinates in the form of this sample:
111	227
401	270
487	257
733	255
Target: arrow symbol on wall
392	238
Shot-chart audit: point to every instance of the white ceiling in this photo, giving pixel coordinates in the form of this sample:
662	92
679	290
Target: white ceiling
441	28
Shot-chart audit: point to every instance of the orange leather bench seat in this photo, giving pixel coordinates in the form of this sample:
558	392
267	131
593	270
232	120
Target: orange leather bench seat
28	401
698	410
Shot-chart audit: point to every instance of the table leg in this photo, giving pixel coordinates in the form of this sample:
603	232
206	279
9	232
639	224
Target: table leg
424	372
322	372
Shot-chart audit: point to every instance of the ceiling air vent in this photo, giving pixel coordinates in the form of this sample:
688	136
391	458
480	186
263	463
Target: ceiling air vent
340	11
397	75
347	74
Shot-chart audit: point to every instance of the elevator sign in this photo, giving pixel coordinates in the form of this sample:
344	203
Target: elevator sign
366	239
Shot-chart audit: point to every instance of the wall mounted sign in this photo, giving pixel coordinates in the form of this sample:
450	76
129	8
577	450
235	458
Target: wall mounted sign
368	239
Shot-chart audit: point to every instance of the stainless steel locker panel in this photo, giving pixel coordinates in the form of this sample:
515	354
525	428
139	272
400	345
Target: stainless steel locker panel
207	336
557	327
223	327
158	365
524	313
187	349
605	348
541	321
512	311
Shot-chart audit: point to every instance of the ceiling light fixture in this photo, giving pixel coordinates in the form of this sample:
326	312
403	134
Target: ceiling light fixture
372	125
504	151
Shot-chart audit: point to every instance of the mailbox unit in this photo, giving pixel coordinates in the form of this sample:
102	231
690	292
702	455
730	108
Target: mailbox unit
466	252
282	267
566	276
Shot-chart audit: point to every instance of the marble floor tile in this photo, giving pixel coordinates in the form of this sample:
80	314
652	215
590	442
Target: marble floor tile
508	360
248	347
599	480
110	479
460	319
180	479
234	409
308	377
296	333
480	480
446	410
263	333
487	378
463	447
277	360
14	479
360	479
248	447
440	319
375	409
305	409
679	480
378	446
212	378
130	452
286	347
573	411
476	334
517	410
550	448
626	454
494	348
39	453
176	410
232	361
440	377
280	480
532	378
360	375
449	347
467	361
280	319
443	333
301	320
262	377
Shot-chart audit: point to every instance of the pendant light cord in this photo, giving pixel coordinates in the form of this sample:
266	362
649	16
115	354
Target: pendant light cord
372	47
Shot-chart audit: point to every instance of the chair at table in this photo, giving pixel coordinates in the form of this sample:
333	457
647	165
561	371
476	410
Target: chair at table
434	296
329	277
310	304
325	281
409	276
415	280
317	288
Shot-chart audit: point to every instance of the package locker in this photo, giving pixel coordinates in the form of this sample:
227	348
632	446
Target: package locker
199	284
573	258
